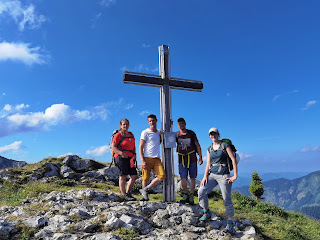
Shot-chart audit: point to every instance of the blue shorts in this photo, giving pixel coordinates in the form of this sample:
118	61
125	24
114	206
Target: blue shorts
192	170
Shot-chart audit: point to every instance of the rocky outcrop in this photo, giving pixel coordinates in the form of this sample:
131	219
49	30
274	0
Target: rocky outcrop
90	214
9	163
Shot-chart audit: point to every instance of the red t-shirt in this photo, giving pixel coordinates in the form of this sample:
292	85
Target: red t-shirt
128	143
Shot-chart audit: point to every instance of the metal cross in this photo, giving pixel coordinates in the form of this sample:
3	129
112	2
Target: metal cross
166	83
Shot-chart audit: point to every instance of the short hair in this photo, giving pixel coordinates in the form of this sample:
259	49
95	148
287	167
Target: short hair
181	120
152	116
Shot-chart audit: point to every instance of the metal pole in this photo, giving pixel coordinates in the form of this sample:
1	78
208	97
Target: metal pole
165	97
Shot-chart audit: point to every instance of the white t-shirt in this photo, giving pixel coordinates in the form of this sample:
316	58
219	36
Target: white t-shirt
152	145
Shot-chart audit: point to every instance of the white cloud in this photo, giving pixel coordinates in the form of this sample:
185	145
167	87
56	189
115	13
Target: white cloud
95	19
7	107
308	105
310	149
18	107
22	15
145	45
129	106
21	52
204	158
57	113
65	155
145	112
124	68
3	94
140	68
107	3
13	119
244	156
98	151
13	146
284	94
21	106
12	122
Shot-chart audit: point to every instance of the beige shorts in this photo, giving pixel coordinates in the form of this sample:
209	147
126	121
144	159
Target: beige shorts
156	165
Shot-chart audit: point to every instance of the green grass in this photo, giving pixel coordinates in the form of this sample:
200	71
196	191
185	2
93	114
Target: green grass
270	221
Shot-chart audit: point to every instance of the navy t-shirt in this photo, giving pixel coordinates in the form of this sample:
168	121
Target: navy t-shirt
219	156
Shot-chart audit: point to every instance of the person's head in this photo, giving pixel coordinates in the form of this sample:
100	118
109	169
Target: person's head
182	123
124	125
152	120
214	134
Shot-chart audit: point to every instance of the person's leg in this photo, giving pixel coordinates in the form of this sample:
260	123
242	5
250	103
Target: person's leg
158	170
183	171
122	184
205	190
145	179
131	182
193	172
203	197
192	185
146	172
184	185
226	194
154	182
133	177
122	166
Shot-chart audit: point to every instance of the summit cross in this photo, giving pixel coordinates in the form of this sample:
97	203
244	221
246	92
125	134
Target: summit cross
166	83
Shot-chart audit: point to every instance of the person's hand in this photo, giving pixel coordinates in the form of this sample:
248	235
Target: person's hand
200	160
144	164
231	179
123	155
204	181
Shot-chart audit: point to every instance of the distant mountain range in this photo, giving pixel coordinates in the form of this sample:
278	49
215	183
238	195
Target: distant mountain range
301	194
9	163
244	179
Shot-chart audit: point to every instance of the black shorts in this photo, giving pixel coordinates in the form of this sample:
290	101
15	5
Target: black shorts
124	166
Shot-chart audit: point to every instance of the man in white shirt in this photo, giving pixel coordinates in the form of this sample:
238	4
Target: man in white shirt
149	151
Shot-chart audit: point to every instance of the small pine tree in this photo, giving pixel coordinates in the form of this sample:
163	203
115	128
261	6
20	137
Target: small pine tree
256	188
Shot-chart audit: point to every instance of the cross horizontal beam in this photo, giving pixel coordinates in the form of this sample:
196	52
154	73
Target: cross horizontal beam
157	81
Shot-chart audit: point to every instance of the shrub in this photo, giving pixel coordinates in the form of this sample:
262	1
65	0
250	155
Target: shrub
270	209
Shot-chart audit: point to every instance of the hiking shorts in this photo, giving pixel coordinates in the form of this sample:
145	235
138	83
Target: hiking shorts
191	171
124	166
156	165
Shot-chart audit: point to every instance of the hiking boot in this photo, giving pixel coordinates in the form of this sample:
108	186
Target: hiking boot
129	197
229	228
206	215
191	199
144	193
185	198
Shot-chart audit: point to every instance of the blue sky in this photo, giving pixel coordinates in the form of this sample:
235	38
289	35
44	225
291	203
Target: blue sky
62	62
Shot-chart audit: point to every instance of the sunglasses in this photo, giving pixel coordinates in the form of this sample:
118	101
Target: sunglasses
213	133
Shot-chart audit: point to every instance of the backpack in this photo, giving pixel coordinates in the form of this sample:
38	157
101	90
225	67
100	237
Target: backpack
233	149
191	133
121	140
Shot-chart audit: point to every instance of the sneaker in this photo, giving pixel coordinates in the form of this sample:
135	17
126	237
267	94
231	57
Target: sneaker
206	215
144	193
129	197
229	228
191	199
185	198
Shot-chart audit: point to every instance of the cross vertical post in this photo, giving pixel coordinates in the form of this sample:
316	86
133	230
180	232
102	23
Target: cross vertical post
166	119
